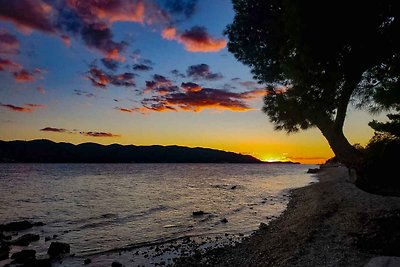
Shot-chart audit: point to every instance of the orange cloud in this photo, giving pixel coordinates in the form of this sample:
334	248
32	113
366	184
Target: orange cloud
195	98
127	110
67	40
169	33
115	55
24	76
110	10
196	39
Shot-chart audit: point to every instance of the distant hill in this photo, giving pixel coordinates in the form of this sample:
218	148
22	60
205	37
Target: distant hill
46	151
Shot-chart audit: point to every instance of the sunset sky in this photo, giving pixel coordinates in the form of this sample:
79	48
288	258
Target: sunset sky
139	72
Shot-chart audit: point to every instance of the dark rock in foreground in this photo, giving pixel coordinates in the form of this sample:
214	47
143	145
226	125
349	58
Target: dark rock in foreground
25	240
116	264
315	170
19	226
57	249
24	256
198	213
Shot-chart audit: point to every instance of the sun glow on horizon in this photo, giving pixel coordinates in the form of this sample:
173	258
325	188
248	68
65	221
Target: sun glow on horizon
274	158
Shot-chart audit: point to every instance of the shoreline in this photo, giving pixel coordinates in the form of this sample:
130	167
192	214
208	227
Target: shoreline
328	223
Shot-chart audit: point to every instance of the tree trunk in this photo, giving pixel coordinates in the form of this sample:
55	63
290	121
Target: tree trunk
344	151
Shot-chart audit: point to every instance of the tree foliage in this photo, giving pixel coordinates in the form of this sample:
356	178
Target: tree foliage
316	57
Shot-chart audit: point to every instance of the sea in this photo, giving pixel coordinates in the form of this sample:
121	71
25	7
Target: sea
98	208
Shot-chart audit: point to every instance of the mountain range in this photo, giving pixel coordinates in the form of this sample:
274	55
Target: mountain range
46	151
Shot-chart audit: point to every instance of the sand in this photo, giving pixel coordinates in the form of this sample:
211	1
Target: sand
329	223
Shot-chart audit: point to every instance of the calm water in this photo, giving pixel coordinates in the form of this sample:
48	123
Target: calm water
98	207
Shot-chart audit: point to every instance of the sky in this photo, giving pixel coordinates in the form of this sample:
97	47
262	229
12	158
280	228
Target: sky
140	72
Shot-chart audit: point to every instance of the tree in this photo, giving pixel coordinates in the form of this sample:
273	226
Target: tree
316	57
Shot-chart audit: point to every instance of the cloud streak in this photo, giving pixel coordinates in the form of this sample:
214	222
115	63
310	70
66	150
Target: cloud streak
90	133
9	44
26	108
99	134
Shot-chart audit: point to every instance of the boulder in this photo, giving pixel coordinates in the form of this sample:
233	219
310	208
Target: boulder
4	254
24	256
58	248
17	226
198	213
315	170
25	240
224	220
116	264
42	263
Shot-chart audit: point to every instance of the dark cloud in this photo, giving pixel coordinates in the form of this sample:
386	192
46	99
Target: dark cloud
99	36
99	134
100	78
191	87
178	74
56	130
160	85
28	15
84	93
91	133
202	72
142	67
110	64
26	108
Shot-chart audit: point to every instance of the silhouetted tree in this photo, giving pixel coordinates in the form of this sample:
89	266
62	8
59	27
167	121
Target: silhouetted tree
392	127
316	57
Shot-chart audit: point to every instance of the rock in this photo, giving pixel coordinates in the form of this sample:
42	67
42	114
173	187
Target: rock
315	170
57	249
4	237
198	213
24	256
224	220
87	261
233	187
42	263
116	264
17	226
4	254
262	226
25	240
